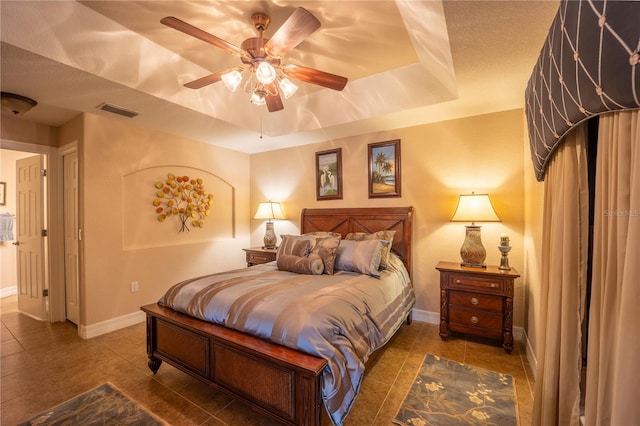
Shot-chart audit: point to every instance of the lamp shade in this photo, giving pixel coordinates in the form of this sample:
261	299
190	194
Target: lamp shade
475	208
265	73
232	79
269	210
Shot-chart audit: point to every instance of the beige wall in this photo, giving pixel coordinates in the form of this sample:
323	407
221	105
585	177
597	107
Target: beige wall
23	130
534	201
113	149
438	161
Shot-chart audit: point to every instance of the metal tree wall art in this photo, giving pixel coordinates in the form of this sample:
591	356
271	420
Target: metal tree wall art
184	198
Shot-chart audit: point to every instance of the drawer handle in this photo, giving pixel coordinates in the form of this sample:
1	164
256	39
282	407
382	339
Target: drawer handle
474	320
474	301
494	285
457	281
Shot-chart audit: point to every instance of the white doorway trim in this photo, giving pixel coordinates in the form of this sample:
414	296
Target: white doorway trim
54	224
73	314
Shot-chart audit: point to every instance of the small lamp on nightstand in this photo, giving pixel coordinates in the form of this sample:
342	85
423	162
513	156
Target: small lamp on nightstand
270	211
474	208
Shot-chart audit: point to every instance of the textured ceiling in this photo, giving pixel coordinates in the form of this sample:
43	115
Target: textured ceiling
408	62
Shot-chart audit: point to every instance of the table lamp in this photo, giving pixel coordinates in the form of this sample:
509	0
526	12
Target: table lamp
269	210
474	208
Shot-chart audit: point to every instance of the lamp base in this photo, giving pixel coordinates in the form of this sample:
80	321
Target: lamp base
472	251
504	260
270	238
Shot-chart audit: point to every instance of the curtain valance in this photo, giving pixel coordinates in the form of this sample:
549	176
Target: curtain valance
590	64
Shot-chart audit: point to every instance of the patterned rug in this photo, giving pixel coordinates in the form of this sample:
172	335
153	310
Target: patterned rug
449	393
104	405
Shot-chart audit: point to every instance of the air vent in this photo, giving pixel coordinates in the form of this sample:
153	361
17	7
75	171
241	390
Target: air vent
117	110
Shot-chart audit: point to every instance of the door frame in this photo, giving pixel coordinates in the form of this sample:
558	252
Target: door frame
71	147
55	239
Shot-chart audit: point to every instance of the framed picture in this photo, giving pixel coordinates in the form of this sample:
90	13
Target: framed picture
384	169
3	193
329	174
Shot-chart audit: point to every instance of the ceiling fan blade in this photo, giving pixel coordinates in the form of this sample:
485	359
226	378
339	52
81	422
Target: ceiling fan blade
206	80
313	76
300	25
189	29
274	102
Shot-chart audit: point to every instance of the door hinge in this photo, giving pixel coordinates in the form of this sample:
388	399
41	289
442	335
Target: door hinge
45	292
44	233
43	172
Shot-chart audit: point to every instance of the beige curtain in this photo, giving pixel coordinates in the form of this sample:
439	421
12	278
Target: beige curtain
564	266
613	357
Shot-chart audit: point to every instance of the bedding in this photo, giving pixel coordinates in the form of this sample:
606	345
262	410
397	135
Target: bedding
342	317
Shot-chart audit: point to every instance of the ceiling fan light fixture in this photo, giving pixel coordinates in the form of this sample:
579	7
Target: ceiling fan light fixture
258	96
263	57
232	79
287	87
265	73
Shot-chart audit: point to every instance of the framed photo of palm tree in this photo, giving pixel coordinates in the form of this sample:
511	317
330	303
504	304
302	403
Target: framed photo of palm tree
384	169
329	174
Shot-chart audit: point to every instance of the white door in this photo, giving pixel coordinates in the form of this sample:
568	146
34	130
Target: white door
71	234
30	241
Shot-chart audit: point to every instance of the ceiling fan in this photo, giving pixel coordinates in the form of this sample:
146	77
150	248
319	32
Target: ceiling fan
267	75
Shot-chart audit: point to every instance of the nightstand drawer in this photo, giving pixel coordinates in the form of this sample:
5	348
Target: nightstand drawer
487	302
474	282
259	257
475	319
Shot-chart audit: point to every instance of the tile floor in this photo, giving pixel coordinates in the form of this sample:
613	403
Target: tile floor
45	364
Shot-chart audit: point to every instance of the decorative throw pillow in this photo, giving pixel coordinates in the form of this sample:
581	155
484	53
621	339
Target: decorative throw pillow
311	265
288	243
301	248
326	247
360	256
322	234
385	235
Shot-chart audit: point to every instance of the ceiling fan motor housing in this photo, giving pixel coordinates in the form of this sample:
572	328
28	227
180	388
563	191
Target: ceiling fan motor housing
260	21
255	47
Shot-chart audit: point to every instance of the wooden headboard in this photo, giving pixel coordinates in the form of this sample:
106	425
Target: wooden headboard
367	219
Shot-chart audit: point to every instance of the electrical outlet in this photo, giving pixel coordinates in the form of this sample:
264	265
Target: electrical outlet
134	286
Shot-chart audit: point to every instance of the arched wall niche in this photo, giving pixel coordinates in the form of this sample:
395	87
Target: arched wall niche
140	226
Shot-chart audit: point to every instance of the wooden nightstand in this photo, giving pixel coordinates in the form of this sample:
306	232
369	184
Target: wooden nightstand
477	301
259	255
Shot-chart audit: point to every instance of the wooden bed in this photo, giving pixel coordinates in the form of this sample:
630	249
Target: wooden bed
277	381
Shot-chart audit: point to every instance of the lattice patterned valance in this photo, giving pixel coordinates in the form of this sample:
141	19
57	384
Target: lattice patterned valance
589	65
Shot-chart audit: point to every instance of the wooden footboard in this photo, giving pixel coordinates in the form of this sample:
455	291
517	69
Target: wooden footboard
281	383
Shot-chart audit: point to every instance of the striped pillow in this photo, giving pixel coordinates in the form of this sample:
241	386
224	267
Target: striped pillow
385	235
360	256
288	245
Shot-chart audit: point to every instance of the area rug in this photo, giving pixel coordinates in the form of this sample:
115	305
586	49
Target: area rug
446	392
104	405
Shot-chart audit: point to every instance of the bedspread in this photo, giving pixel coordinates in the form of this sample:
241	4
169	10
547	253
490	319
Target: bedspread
342	318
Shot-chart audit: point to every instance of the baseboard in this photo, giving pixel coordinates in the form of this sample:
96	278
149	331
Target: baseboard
89	331
426	316
531	357
434	318
8	291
